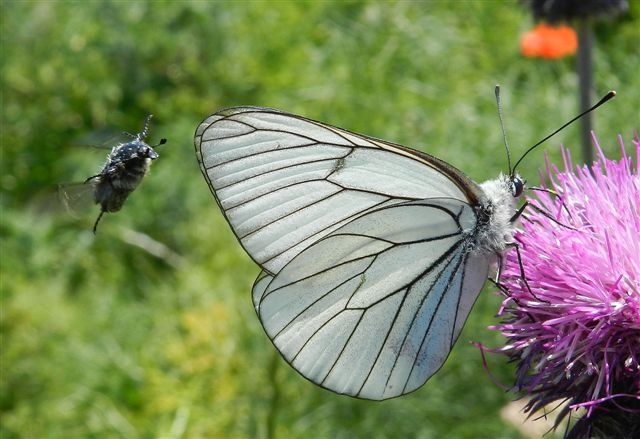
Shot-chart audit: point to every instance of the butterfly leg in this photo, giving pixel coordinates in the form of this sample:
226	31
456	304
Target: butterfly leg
548	215
523	276
519	212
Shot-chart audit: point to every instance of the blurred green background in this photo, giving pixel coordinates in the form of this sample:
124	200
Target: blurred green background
147	330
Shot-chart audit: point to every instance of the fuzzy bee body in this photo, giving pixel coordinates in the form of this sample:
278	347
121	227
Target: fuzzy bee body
126	166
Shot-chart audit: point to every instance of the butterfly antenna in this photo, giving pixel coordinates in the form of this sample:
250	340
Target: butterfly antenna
610	95
504	132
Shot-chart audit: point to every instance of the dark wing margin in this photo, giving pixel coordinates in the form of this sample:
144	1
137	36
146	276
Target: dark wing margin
283	181
373	309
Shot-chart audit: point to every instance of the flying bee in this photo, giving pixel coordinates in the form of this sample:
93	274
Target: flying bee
126	166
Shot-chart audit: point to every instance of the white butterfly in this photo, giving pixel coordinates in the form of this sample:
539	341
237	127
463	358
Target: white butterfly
372	254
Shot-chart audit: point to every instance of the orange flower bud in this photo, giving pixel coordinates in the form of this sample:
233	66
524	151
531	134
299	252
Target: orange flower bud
549	42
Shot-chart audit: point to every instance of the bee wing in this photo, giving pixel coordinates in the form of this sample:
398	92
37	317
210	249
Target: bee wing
77	198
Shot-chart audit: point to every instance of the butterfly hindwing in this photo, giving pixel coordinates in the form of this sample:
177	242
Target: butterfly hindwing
372	309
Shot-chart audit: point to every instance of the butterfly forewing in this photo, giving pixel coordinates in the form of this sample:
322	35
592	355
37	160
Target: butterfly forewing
283	181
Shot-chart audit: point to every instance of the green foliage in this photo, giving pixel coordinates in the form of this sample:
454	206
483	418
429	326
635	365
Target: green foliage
147	329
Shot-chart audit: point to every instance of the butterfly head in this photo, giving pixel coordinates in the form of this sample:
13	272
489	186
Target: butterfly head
517	185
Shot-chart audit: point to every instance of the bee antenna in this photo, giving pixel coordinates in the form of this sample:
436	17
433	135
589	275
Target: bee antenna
145	130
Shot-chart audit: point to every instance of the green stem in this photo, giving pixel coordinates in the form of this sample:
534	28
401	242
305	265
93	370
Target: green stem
584	68
272	410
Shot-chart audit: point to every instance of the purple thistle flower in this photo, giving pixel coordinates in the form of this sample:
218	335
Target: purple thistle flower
574	331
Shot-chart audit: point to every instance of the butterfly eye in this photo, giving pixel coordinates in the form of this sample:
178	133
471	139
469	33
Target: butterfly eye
517	186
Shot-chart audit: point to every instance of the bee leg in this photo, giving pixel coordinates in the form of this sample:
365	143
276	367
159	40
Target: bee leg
95	225
91	178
